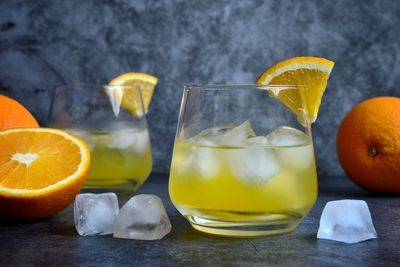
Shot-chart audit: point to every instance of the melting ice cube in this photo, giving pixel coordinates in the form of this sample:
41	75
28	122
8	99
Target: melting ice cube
239	134
201	160
225	135
89	140
142	217
347	221
211	136
253	166
288	136
205	160
138	140
95	214
257	141
296	148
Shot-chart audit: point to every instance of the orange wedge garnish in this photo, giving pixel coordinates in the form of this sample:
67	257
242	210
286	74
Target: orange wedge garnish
130	101
310	72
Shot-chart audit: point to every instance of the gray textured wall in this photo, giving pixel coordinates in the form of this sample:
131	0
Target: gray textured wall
47	43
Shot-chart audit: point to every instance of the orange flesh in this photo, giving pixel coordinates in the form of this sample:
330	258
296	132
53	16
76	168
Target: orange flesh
315	82
47	169
131	100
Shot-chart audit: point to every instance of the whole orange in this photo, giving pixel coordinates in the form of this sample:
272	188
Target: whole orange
368	144
14	115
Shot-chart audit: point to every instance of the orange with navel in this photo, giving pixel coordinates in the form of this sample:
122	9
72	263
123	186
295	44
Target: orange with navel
368	144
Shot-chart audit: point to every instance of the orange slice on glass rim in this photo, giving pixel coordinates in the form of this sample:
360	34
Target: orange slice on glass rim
312	73
129	99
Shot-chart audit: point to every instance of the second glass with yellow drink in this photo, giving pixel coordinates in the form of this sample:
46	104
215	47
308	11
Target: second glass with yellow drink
111	120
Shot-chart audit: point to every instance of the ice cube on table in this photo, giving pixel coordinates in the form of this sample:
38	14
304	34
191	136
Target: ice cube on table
95	214
294	147
347	221
142	217
253	166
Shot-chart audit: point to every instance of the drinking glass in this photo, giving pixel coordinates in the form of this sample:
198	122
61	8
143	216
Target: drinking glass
112	122
243	162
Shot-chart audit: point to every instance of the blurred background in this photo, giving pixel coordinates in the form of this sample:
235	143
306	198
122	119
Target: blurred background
48	43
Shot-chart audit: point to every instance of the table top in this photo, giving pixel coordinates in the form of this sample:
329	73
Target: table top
54	242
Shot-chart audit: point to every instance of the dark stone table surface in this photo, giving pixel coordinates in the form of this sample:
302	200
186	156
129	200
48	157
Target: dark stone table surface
54	242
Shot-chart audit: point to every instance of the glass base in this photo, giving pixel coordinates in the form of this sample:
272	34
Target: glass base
260	225
120	187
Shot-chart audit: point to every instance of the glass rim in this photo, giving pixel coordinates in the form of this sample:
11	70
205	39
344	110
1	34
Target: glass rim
90	89
86	85
242	86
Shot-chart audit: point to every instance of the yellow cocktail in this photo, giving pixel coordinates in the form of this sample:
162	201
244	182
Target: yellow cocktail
118	158
247	182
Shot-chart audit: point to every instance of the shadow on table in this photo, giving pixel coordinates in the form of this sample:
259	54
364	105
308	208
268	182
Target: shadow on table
19	222
63	231
343	188
45	226
183	231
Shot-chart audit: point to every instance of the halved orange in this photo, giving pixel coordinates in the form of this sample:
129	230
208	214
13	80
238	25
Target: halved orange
41	171
145	82
310	72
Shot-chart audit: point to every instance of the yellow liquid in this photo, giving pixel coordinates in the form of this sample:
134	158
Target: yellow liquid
118	159
243	183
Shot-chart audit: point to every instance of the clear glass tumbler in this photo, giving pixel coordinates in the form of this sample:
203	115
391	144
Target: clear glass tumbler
112	122
243	162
